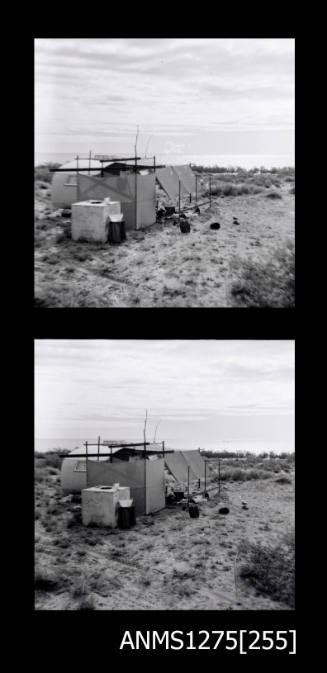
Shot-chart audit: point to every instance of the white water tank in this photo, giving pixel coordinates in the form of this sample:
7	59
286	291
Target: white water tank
90	219
100	504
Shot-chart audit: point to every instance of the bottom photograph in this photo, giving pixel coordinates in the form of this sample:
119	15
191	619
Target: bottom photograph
164	474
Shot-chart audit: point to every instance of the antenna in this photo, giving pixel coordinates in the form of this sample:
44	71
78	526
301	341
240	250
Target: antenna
147	145
136	138
155	432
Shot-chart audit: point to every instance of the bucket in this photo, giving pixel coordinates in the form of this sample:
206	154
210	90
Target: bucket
126	517
117	232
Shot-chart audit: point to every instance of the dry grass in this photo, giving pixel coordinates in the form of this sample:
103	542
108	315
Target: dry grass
162	267
167	561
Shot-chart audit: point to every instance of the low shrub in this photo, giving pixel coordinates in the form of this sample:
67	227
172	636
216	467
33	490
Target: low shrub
283	480
86	603
44	580
273	194
269	283
231	189
43	172
51	459
271	569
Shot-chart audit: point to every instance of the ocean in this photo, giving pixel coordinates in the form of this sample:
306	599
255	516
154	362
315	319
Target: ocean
243	160
42	444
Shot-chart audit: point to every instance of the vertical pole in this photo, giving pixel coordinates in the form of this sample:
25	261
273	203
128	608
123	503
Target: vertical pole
144	457
196	189
190	197
86	451
188	485
154	164
99	448
163	449
77	178
179	199
135	192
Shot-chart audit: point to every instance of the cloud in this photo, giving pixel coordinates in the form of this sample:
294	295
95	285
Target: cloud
189	84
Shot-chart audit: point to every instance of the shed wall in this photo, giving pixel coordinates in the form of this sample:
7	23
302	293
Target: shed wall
131	474
122	188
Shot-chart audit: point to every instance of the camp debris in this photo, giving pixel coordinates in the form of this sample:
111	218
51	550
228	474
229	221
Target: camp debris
185	226
193	511
223	510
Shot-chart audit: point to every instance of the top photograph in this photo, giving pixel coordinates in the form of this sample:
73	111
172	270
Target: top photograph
164	173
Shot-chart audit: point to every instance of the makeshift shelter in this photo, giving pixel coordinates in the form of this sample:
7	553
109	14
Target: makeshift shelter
168	181
179	462
122	188
187	178
64	183
114	179
171	178
126	466
145	478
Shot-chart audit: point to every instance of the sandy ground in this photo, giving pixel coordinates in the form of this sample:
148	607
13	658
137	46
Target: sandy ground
161	266
168	560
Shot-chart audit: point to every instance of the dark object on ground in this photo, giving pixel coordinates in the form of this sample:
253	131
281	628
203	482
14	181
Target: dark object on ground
116	232
76	497
215	225
160	213
193	511
245	507
206	495
170	210
197	210
126	517
179	495
170	499
185	227
235	220
223	510
183	216
66	212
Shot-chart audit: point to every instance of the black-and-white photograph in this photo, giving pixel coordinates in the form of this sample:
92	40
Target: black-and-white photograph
164	172
164	474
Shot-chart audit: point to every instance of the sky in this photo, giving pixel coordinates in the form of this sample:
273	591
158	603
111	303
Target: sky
200	392
188	96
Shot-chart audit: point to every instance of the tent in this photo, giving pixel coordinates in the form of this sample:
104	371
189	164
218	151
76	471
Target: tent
168	181
187	178
179	462
169	177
